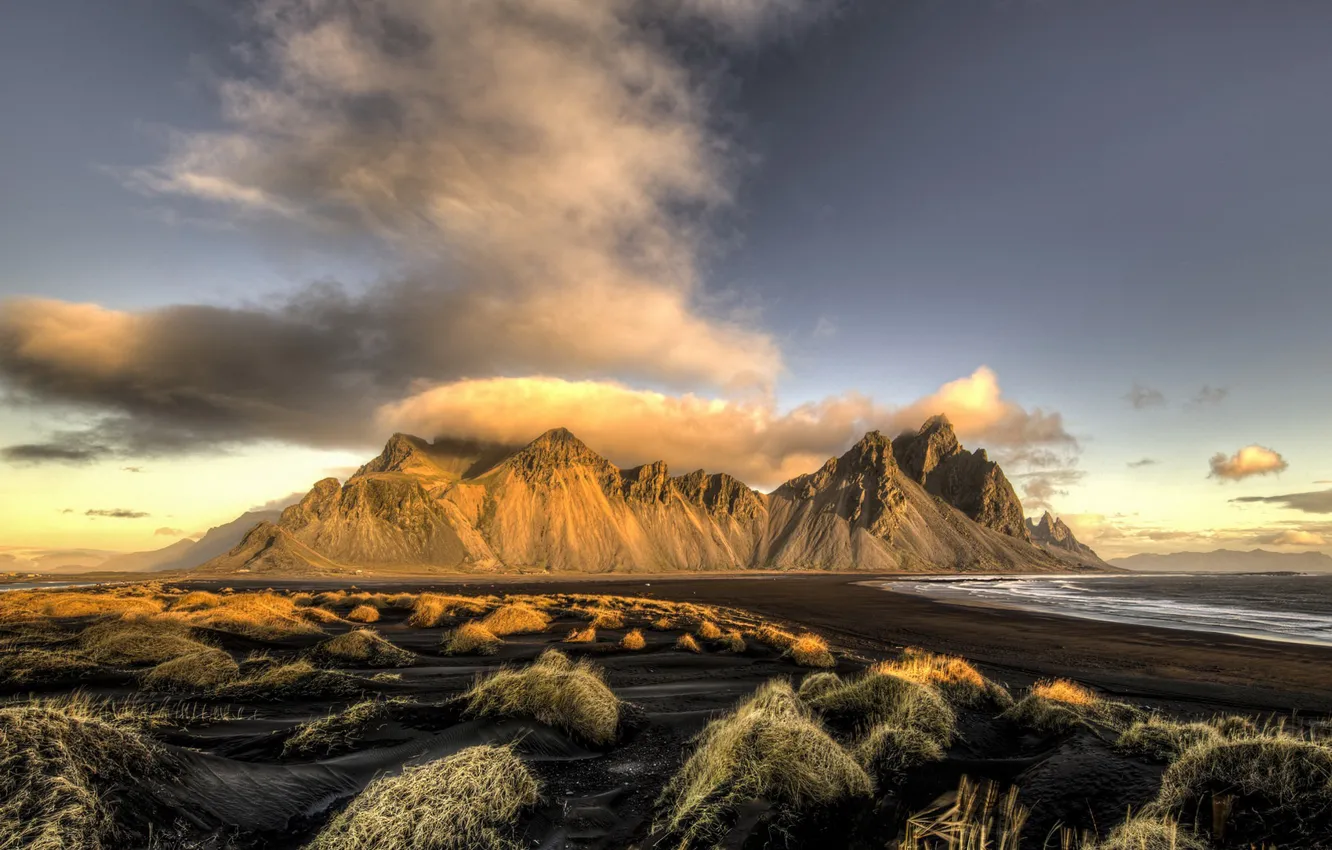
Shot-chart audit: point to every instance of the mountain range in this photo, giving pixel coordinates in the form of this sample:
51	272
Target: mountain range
918	502
1227	561
1051	534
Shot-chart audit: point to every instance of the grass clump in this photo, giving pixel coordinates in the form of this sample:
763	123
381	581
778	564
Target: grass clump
339	733
133	642
663	624
633	640
687	643
1164	740
1149	833
193	673
294	680
810	650
887	751
733	641
364	614
708	630
1055	706
35	665
577	635
30	605
959	682
607	618
265	616
769	748
437	609
1289	778
60	762
468	801
553	690
774	637
197	600
815	684
471	638
875	699
362	647
516	619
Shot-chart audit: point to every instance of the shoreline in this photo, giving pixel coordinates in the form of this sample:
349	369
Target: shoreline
1179	670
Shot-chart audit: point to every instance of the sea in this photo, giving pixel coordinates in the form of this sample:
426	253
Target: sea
1292	607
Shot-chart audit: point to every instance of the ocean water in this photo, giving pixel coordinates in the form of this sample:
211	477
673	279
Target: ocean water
1286	607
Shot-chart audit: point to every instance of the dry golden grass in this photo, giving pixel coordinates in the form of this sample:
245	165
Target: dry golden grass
633	640
431	610
774	637
401	601
554	690
193	673
1291	778
133	642
364	614
1148	833
302	599
36	665
815	684
294	680
958	681
339	733
331	598
323	616
606	618
770	748
687	644
57	761
19	606
577	635
663	624
516	619
1164	740
468	801
361	647
981	817
733	641
266	616
810	650
887	752
709	630
471	638
197	600
1062	690
875	699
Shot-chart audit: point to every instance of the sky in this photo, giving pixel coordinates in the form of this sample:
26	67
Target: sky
242	244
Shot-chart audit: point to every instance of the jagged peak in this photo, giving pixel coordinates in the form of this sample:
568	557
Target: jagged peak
557	447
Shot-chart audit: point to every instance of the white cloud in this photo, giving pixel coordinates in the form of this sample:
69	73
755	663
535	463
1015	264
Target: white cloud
1247	462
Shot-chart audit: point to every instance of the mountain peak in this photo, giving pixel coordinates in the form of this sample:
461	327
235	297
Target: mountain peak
920	453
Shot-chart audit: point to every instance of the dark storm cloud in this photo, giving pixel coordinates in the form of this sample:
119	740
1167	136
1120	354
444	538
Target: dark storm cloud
1316	502
116	513
52	452
1144	397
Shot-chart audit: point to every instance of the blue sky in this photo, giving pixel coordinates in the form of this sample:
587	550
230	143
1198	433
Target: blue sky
872	201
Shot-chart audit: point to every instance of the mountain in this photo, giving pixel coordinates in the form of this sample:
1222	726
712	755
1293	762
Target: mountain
185	554
1228	561
919	502
1051	534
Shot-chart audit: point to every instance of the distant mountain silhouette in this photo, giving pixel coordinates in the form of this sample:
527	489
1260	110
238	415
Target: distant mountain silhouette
920	502
1228	561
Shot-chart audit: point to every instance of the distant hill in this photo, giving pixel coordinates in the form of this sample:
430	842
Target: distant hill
185	554
1051	534
918	502
1228	561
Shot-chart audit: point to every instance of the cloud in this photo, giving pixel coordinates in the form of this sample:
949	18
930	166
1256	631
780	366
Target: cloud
1040	488
131	469
1247	462
277	504
824	328
1293	537
1208	395
52	452
753	440
164	531
116	513
547	175
1139	464
1316	502
1144	397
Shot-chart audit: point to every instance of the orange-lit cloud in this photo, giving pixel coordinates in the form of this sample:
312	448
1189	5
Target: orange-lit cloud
752	440
1294	537
1247	462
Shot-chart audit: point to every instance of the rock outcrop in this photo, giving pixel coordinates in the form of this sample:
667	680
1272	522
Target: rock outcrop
920	502
1050	533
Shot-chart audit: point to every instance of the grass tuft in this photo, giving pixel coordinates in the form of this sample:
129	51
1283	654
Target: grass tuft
577	635
468	801
875	699
553	690
769	748
364	614
435	609
810	650
517	619
980	817
733	641
1290	777
1149	833
1165	740
959	682
193	673
815	684
887	752
34	665
362	647
708	630
471	638
687	644
294	680
339	733
633	640
133	642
